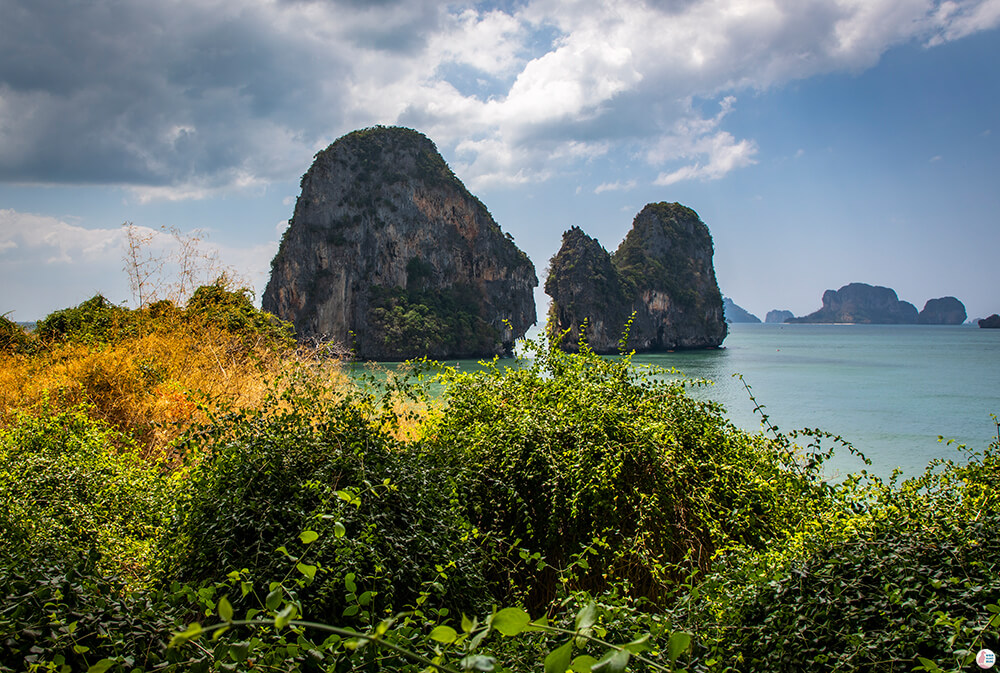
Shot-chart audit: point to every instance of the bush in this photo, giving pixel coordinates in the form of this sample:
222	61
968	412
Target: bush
909	582
12	337
96	320
73	487
328	462
579	451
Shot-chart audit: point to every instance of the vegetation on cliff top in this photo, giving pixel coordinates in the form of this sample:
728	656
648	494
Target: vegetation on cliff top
574	513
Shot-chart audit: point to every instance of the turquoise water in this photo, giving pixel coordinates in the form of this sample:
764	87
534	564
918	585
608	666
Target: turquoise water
890	390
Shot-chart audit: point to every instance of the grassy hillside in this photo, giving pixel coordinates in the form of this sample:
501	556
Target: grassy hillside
185	489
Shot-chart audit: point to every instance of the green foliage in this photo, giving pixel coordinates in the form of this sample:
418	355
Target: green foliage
906	574
233	310
579	451
96	320
73	486
13	338
576	513
433	321
384	528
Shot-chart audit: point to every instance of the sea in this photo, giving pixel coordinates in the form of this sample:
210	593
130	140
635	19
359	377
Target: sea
902	395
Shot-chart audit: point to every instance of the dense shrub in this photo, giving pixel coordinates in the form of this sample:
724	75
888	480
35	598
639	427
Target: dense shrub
96	320
911	584
579	451
12	337
71	487
309	459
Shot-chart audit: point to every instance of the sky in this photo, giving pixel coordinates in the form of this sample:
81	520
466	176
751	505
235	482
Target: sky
823	142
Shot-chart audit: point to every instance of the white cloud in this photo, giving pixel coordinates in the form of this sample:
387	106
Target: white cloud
615	186
723	154
232	95
49	240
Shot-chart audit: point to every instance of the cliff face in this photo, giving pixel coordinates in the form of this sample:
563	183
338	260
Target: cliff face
943	311
583	281
862	303
662	271
388	253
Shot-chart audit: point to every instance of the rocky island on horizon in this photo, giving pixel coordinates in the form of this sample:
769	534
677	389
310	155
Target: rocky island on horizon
389	254
860	303
662	272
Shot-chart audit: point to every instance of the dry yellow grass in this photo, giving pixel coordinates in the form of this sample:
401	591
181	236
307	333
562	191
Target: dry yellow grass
155	385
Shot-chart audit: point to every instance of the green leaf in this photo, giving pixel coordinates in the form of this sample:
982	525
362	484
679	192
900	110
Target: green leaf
339	529
307	570
366	598
80	649
586	617
467	624
225	610
239	651
285	616
510	621
638	645
101	666
614	661
557	661
351	610
308	536
181	637
444	634
928	665
678	644
478	662
273	599
349	583
583	664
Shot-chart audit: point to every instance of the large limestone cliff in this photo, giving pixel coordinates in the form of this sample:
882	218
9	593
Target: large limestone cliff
662	272
389	253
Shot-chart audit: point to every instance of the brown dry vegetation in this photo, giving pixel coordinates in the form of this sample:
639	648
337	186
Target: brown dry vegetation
156	382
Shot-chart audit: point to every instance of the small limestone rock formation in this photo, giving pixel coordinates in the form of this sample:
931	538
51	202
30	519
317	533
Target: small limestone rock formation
778	316
389	254
943	311
736	313
992	322
862	303
584	284
662	271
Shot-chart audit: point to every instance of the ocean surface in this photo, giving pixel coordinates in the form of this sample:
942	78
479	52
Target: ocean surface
890	390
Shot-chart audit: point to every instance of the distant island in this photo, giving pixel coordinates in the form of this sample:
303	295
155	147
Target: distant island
736	313
993	322
860	303
662	273
778	316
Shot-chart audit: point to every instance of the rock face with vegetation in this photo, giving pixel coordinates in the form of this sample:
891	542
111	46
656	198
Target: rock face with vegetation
778	316
662	272
862	303
736	313
992	322
943	311
389	254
